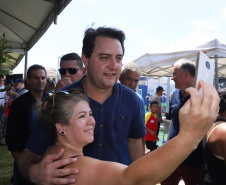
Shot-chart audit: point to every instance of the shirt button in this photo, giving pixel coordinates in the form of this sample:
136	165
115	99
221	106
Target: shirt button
100	144
101	125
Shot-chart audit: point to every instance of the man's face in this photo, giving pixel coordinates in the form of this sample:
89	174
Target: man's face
71	64
37	82
178	77
130	79
19	85
104	65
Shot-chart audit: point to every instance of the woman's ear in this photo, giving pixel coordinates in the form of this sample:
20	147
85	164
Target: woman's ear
60	128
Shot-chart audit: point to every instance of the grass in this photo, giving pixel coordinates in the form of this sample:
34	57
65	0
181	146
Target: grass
6	165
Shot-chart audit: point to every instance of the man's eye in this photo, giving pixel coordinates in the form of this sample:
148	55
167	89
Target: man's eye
103	58
82	116
119	59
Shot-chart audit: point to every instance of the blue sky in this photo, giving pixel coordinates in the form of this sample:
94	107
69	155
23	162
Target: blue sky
150	26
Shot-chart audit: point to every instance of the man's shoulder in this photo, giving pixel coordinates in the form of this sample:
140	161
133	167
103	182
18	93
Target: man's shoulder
77	84
23	99
156	97
120	88
176	94
124	94
177	91
24	96
140	96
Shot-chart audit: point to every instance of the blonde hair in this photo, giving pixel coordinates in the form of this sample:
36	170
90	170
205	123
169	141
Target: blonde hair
59	107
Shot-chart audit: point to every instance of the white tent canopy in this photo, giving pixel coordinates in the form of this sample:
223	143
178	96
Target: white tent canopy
160	64
24	22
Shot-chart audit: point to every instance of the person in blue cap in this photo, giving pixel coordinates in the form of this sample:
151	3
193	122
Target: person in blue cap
19	84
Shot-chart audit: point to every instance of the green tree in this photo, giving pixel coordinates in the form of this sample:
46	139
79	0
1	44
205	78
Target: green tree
4	57
5	50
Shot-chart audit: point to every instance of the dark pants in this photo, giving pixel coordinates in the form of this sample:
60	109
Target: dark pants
158	128
188	173
147	106
151	145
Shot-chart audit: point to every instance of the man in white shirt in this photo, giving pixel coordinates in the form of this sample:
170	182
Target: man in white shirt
3	105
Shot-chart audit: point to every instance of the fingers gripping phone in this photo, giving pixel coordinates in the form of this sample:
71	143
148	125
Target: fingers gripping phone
204	70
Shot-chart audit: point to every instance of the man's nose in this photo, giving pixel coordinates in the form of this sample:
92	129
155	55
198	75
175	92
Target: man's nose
67	73
113	63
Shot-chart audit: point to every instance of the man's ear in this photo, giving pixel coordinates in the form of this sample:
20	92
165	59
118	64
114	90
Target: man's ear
84	70
28	81
85	60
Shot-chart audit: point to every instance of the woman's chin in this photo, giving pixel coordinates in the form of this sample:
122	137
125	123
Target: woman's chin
89	141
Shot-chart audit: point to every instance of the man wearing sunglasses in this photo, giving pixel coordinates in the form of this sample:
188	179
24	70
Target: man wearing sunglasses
71	70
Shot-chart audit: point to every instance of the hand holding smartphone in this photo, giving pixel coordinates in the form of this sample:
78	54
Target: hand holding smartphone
204	70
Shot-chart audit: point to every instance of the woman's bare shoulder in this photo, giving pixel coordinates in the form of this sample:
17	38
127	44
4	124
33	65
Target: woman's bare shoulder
90	170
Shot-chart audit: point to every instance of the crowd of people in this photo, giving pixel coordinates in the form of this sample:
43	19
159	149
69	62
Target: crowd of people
91	129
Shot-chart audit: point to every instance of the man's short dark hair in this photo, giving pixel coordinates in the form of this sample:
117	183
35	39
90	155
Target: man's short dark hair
1	76
35	67
159	88
91	34
72	56
153	103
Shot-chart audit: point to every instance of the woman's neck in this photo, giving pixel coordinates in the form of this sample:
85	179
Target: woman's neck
68	148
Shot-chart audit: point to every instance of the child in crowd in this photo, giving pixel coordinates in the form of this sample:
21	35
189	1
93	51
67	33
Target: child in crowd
151	126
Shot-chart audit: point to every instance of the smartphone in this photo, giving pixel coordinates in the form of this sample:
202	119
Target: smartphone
204	70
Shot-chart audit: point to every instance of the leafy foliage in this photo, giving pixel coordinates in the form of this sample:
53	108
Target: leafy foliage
4	53
4	50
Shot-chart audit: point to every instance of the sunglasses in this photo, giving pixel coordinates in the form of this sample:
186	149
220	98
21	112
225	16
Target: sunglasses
72	71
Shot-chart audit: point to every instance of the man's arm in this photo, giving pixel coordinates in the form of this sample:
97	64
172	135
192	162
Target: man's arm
15	155
135	148
159	113
46	171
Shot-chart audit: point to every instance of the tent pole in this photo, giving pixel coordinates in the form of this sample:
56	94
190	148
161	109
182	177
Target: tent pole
25	65
168	93
216	72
